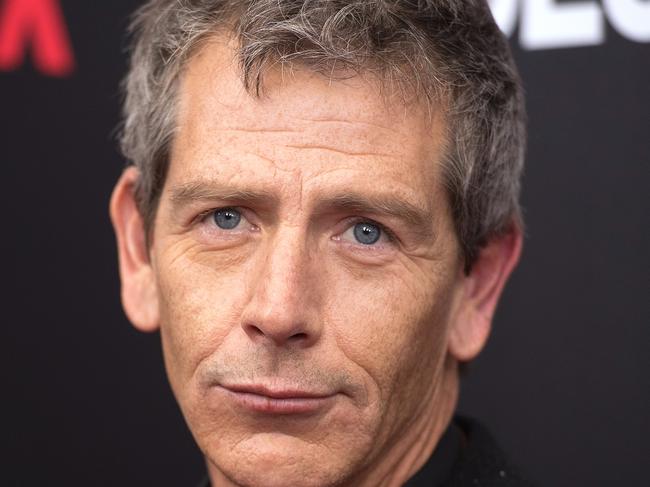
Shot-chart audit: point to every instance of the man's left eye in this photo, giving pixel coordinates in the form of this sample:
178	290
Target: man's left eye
227	218
365	233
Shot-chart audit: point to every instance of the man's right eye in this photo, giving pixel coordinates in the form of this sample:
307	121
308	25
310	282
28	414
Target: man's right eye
227	218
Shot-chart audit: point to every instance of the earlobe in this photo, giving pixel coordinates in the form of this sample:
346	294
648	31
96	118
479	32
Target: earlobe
481	291
139	292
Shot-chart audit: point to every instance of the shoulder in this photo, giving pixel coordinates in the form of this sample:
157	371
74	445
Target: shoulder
481	462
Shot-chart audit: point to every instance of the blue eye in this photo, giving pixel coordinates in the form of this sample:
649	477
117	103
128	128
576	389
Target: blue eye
227	218
367	233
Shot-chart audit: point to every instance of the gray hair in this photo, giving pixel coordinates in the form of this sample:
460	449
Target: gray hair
447	50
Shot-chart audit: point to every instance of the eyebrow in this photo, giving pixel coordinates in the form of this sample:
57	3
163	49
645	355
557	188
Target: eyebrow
380	205
390	205
200	191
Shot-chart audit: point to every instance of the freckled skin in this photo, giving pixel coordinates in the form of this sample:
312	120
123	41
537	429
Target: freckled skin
289	295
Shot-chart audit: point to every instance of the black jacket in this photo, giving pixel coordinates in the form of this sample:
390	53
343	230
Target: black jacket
477	461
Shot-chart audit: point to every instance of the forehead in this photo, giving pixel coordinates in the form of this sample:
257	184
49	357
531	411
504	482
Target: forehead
303	123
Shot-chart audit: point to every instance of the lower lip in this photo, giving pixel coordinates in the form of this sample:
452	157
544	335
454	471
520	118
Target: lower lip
274	405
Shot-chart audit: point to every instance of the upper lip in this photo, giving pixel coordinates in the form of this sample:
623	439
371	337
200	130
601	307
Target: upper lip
277	392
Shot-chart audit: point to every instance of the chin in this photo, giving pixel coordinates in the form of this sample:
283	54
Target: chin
272	478
262	462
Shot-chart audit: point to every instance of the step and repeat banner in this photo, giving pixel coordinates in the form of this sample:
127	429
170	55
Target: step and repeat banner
563	381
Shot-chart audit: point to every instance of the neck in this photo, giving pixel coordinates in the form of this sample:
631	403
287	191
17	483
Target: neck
416	446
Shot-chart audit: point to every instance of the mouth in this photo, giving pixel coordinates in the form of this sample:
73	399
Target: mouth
284	400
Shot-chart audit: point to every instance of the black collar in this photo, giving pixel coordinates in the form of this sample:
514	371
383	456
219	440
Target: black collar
439	466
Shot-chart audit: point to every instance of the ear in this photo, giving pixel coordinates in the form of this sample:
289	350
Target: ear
139	291
481	291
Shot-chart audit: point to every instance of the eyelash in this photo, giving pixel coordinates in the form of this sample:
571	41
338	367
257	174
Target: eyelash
390	235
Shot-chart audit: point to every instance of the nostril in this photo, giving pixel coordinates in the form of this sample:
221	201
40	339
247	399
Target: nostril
298	337
254	330
276	333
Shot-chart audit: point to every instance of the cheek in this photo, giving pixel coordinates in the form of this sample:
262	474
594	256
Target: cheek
394	324
200	302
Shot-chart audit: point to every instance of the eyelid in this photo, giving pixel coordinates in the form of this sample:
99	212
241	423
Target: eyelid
387	232
204	215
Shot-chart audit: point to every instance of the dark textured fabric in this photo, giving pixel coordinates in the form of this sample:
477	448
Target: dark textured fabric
441	463
466	456
481	462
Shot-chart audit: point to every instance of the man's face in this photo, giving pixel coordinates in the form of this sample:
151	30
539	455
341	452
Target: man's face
306	271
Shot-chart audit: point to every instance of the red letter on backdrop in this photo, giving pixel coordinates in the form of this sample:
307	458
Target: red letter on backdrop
41	24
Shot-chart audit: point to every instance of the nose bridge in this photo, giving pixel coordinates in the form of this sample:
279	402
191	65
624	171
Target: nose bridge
281	300
285	267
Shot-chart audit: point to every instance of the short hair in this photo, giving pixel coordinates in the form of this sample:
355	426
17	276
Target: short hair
451	51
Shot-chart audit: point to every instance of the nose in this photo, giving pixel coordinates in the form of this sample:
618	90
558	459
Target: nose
283	294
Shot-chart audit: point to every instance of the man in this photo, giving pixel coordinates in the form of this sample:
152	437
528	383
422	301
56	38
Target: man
320	216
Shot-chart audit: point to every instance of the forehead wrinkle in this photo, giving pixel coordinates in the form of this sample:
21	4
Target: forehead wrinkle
272	162
258	129
332	149
331	120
